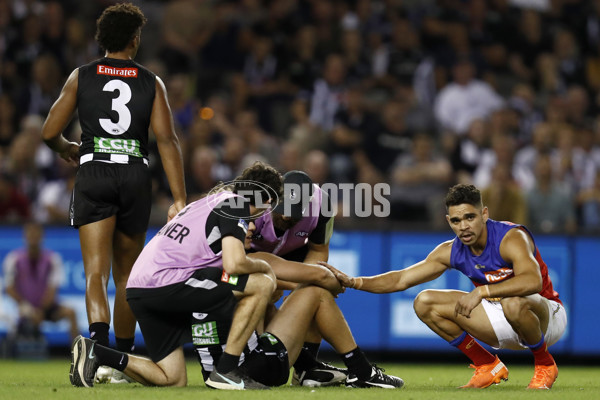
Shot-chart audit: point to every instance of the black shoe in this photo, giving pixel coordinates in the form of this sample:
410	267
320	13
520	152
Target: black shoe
234	380
322	375
377	379
83	362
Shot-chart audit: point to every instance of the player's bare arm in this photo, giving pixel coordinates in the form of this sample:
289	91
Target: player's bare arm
59	116
168	147
235	261
290	271
316	252
516	248
395	281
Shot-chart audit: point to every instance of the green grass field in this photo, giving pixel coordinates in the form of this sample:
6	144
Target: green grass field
49	381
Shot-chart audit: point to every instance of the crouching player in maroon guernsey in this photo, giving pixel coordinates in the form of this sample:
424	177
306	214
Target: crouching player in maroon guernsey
513	305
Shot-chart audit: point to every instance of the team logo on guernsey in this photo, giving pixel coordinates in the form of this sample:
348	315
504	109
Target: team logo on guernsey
242	223
114	71
498	275
231	279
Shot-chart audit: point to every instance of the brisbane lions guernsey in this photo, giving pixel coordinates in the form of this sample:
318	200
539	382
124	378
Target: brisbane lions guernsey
489	267
114	101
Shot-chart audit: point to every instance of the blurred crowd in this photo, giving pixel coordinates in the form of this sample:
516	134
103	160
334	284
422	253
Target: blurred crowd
420	94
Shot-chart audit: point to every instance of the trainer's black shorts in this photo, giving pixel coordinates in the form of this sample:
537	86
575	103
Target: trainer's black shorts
268	363
103	190
165	313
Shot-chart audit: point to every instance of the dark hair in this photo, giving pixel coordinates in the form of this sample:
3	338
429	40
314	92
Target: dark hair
463	194
118	25
260	178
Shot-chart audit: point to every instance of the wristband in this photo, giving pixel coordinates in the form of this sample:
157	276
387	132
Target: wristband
358	282
487	289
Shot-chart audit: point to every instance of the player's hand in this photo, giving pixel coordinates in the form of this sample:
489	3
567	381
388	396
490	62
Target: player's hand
344	279
174	210
467	303
71	154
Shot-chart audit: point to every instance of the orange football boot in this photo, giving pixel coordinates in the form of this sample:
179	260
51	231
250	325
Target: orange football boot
543	377
487	374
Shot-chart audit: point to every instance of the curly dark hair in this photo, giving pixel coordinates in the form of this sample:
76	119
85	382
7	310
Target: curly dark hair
118	25
260	178
463	194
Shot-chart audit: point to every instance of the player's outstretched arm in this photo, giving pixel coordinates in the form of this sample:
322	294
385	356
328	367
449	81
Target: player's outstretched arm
395	281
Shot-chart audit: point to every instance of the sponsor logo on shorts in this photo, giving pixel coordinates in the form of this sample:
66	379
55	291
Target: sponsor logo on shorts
206	333
113	71
302	234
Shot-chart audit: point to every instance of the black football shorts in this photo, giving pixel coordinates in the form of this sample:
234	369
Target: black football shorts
103	190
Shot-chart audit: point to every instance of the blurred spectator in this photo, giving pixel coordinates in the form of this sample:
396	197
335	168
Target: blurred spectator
531	40
568	59
468	150
183	21
52	206
14	205
32	277
357	62
328	93
44	87
201	176
260	84
181	99
550	205
525	158
588	200
8	122
405	54
80	46
24	48
22	167
523	102
577	106
290	156
503	197
465	99
353	126
391	140
316	165
302	66
420	180
301	131
501	151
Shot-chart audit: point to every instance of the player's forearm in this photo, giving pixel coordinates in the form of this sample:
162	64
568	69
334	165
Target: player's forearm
519	286
375	284
57	143
172	160
12	292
